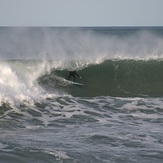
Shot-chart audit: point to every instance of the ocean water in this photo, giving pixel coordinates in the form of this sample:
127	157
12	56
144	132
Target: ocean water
116	116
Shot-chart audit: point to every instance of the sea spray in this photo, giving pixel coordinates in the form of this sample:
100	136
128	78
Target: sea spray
68	44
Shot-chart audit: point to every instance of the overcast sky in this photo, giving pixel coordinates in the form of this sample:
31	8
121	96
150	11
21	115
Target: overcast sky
81	12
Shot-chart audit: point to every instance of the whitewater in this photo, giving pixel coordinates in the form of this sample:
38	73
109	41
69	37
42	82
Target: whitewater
115	116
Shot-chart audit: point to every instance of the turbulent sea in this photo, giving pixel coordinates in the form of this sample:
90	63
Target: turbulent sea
116	116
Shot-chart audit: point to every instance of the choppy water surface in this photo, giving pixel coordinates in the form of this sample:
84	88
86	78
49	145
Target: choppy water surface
68	129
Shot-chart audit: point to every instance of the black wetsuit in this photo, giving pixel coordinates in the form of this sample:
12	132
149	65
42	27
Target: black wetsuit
73	73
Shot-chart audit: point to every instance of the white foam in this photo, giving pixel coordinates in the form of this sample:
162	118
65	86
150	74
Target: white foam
17	87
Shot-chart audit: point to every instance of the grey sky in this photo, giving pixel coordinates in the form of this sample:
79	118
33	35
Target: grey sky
81	12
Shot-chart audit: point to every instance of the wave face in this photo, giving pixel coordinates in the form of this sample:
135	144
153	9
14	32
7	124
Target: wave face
112	61
125	78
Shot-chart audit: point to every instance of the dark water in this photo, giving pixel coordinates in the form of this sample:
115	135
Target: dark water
119	78
116	116
68	129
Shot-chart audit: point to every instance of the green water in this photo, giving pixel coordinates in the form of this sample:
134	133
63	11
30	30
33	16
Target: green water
124	78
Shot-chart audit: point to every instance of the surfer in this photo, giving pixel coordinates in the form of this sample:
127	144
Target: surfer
74	74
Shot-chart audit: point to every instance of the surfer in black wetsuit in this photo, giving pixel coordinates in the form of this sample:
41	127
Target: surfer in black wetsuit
74	74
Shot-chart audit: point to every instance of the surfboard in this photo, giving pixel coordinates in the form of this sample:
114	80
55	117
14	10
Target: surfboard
65	82
75	83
